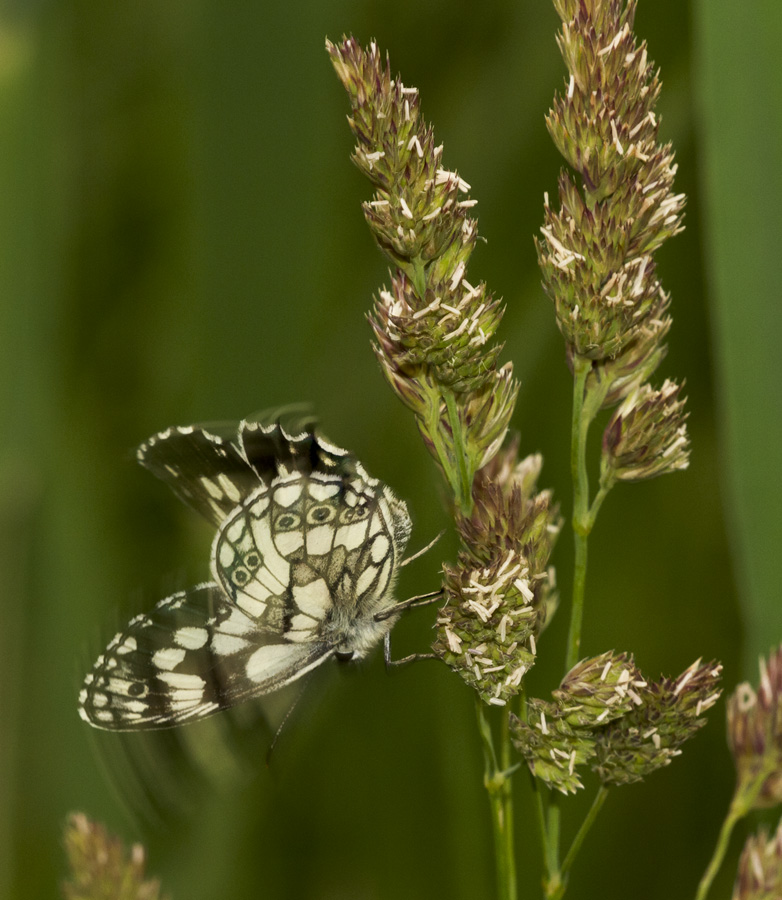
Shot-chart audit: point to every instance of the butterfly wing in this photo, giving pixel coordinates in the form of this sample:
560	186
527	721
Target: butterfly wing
305	554
211	468
314	555
204	466
284	447
195	653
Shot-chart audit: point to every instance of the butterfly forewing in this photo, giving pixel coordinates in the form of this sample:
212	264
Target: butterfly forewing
206	469
273	451
194	654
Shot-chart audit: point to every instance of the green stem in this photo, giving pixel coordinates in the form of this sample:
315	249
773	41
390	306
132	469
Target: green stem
588	822
433	425
464	495
548	823
484	729
743	801
498	785
587	400
540	807
557	876
597	503
581	525
577	609
554	874
719	852
507	804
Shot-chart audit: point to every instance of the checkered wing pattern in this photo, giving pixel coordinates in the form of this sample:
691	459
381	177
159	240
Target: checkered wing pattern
194	654
305	556
308	555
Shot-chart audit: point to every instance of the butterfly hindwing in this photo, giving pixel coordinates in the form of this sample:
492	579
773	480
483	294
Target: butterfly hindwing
195	653
321	544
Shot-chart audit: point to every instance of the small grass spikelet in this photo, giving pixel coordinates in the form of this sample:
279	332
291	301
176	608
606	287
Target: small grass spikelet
596	251
558	738
646	437
607	715
650	735
616	207
101	868
755	734
759	875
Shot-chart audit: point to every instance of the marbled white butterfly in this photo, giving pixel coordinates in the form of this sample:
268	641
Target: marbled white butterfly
303	563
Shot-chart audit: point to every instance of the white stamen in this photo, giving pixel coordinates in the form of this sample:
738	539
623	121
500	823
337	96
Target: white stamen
617	144
457	276
415	144
687	677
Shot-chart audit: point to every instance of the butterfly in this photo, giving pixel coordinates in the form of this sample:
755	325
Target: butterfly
303	564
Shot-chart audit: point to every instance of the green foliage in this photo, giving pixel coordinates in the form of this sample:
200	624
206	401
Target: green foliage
180	243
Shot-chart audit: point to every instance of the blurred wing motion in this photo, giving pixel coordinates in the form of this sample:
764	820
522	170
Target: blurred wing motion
194	654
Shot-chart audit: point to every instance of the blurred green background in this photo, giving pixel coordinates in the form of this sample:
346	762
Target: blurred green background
181	240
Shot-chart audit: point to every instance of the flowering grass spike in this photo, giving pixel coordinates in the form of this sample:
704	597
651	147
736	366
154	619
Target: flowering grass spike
646	436
500	593
755	740
755	734
650	735
607	715
596	252
433	329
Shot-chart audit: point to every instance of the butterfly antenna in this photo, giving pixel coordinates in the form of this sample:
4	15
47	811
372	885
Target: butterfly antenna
284	721
421	552
411	603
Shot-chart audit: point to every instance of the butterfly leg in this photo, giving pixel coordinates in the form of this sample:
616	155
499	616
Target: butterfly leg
426	549
413	657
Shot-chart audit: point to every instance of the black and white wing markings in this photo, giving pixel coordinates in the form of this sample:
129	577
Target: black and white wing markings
358	563
195	653
312	555
305	556
275	452
214	467
204	467
258	553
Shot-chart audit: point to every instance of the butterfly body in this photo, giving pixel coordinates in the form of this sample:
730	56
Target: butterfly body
303	563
